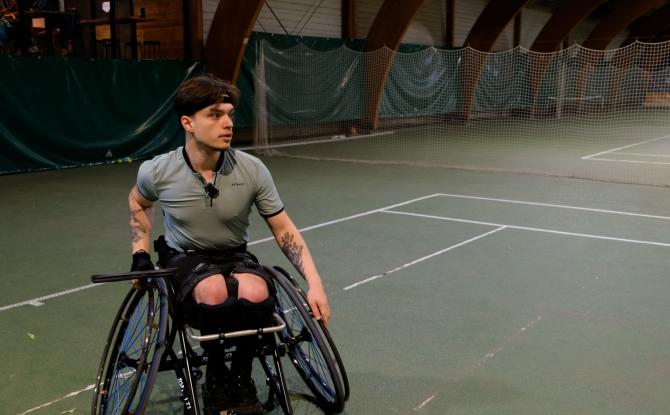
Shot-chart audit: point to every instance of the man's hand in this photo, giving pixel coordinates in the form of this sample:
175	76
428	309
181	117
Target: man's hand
318	301
141	262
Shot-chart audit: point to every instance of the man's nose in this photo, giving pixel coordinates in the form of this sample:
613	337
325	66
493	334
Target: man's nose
227	121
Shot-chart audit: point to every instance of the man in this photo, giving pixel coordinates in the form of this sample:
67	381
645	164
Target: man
206	190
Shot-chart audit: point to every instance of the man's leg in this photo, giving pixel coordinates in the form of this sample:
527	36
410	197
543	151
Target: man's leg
216	314
229	304
255	310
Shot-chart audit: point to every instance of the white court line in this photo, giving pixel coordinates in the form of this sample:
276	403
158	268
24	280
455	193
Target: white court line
630	161
528	228
416	261
358	215
492	353
321	141
623	147
38	301
424	403
641	154
521	202
69	395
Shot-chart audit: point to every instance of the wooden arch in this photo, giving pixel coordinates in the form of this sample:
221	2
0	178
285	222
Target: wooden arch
387	30
648	29
231	26
483	34
624	12
562	22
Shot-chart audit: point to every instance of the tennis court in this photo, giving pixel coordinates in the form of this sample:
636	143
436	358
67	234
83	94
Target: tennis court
456	288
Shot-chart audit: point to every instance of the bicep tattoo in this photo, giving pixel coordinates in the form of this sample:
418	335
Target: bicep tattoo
293	251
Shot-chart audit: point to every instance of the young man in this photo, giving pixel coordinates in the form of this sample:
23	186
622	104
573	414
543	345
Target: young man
206	190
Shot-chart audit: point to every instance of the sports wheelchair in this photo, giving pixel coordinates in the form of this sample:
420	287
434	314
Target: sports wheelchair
147	337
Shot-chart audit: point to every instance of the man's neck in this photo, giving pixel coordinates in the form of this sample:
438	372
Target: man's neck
202	160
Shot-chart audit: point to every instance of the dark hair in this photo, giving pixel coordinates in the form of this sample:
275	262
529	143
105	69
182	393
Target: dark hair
202	91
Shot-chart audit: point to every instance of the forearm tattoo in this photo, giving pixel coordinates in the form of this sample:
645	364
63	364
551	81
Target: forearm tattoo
293	251
137	228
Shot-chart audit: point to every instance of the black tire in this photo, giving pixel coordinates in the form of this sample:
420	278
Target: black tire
309	346
133	352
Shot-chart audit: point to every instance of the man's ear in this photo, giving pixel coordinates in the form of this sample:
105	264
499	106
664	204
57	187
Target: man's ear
186	123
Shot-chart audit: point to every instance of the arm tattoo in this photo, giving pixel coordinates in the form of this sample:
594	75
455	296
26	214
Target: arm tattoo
137	228
293	251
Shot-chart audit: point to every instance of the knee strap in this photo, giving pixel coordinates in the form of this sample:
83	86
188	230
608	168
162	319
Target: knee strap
233	315
219	318
255	315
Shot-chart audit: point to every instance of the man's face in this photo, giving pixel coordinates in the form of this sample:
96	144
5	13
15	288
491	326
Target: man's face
212	126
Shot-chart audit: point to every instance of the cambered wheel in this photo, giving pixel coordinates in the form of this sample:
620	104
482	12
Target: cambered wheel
310	346
134	348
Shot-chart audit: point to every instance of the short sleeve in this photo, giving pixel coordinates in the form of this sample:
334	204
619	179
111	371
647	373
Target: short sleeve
267	198
145	181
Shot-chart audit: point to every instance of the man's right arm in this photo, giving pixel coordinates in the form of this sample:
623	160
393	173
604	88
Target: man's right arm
140	221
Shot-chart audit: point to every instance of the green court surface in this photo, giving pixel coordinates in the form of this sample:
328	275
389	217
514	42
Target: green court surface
454	291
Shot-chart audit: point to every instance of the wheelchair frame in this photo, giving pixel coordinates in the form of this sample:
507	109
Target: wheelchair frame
146	330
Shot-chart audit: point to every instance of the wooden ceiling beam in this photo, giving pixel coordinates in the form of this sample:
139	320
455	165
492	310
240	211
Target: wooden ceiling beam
228	35
562	22
387	30
489	25
647	30
391	23
624	12
492	22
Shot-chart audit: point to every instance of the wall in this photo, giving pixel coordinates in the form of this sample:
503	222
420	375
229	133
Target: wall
167	28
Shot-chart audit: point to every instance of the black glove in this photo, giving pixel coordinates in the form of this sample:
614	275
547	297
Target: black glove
142	261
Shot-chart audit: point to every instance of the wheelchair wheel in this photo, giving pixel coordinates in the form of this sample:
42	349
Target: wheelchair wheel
310	346
133	352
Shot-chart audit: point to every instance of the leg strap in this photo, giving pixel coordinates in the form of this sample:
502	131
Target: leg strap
251	316
232	285
218	318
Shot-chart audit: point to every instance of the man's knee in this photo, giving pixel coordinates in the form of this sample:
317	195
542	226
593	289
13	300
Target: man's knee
252	287
211	290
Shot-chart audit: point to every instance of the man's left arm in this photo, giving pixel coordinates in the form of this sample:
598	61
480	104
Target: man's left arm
293	245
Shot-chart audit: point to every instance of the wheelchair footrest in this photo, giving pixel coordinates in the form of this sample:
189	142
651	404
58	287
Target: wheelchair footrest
280	325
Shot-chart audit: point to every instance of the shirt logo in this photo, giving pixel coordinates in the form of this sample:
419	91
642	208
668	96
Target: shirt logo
238	184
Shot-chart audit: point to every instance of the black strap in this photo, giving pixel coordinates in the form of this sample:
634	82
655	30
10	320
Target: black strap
232	285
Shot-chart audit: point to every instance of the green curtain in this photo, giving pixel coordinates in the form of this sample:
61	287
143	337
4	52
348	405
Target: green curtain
58	113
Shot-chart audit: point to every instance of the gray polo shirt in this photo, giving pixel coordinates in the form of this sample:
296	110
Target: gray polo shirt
192	219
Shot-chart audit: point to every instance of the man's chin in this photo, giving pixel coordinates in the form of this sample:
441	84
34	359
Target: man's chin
221	147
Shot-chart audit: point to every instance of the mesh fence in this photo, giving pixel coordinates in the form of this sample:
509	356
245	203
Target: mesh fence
601	115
